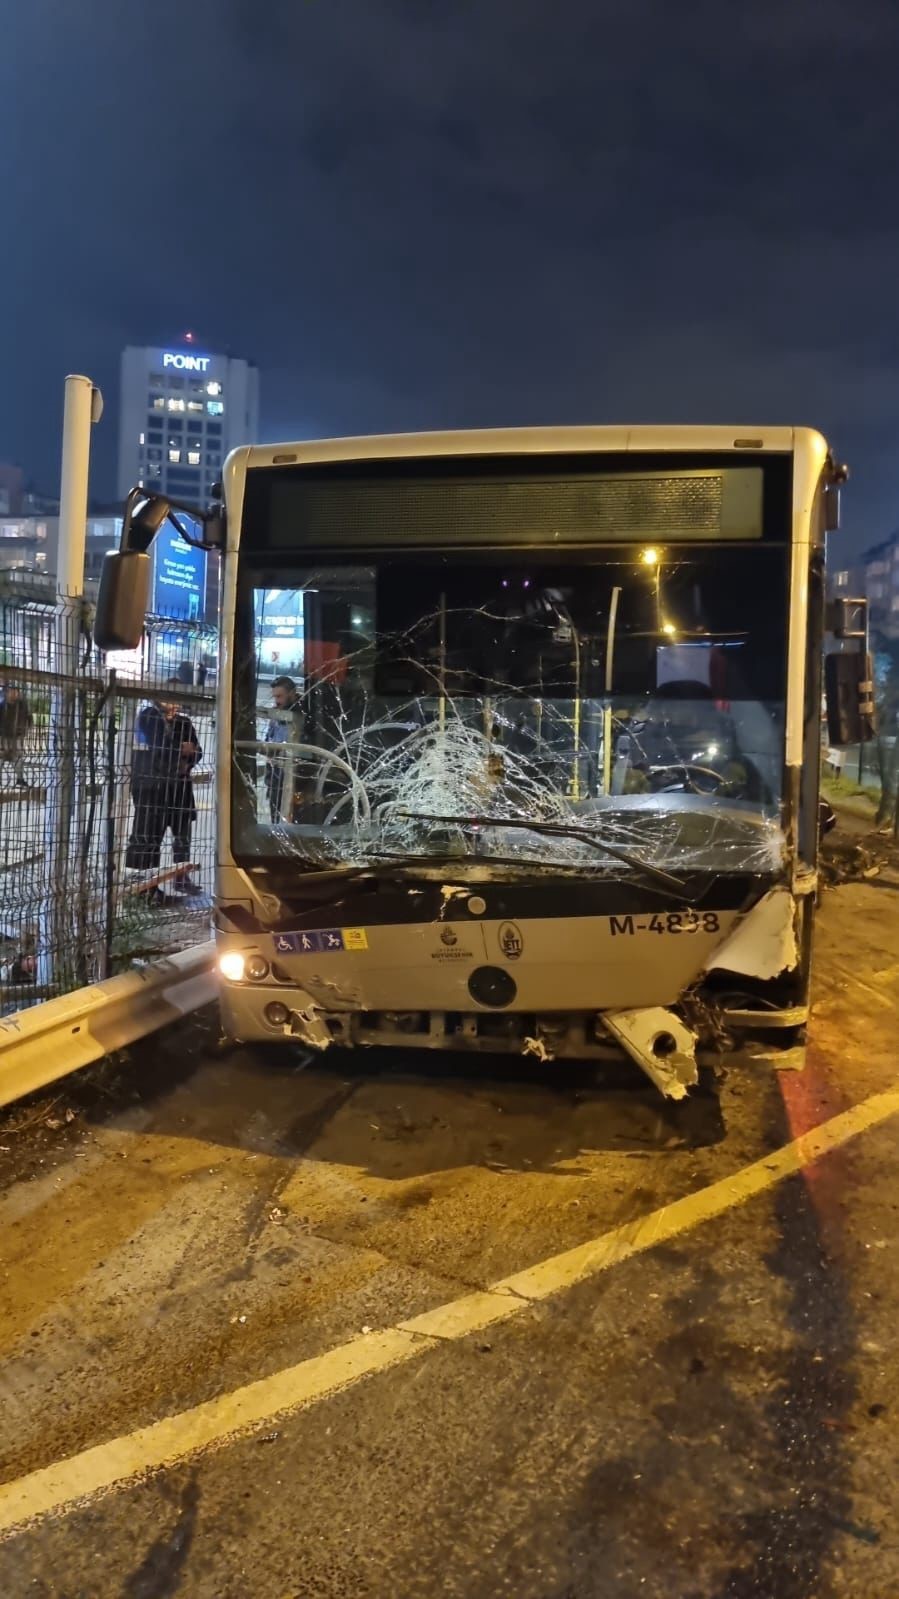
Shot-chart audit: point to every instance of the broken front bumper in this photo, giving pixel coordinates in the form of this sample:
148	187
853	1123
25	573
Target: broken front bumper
552	987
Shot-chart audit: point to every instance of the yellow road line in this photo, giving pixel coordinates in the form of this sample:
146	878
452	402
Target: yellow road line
70	1482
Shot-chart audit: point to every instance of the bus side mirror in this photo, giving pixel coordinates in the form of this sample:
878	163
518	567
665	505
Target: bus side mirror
849	698
122	600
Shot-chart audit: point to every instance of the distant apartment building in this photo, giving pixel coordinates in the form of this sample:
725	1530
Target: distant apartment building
12	489
28	543
185	580
181	410
877	577
31	543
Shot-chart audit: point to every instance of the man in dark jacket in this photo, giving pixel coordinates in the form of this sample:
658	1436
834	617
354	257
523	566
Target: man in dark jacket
286	726
16	722
166	750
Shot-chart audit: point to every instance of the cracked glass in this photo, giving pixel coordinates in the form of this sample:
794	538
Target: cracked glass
502	712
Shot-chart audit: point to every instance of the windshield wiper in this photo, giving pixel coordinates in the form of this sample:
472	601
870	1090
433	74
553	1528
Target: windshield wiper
447	861
556	830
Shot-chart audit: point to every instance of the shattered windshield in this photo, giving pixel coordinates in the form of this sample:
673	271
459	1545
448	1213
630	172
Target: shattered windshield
611	710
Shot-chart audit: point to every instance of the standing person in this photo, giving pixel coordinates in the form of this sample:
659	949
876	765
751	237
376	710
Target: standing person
285	727
181	805
166	750
16	722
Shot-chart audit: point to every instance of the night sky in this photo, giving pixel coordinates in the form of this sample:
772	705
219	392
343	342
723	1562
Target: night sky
420	213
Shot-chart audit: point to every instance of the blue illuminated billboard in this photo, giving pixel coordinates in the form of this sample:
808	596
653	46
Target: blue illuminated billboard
279	629
179	573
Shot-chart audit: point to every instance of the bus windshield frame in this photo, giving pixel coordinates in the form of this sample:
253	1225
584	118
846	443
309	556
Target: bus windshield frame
448	689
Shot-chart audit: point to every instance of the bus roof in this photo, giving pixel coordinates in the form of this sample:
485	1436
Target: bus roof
534	440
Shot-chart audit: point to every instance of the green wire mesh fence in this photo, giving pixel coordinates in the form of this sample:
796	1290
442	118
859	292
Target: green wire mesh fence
106	797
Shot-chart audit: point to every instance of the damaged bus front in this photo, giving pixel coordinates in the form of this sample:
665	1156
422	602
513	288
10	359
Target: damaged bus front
519	741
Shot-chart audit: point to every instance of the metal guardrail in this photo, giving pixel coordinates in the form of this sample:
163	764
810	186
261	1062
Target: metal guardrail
40	1045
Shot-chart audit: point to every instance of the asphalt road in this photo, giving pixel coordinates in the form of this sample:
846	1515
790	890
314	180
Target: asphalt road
701	1405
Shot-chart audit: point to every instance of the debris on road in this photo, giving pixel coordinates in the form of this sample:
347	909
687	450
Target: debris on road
853	857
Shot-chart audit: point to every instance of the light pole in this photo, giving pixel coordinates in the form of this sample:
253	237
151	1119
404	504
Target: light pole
64	915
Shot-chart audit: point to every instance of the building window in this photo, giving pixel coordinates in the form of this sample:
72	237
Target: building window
194	427
195	405
174	380
215	407
154	435
158	402
141	438
174	456
154	454
213	388
154	471
193	457
213	430
176	405
842	580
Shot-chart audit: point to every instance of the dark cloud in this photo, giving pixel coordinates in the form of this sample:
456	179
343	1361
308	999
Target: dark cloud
413	215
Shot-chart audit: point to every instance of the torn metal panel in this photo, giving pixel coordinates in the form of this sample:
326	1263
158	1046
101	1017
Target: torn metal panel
538	1048
768	1021
763	944
309	1026
448	893
331	996
661	1044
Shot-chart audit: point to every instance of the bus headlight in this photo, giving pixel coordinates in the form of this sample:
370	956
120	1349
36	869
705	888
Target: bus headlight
257	969
232	965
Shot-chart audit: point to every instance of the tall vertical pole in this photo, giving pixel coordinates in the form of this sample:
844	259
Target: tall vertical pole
83	406
607	709
64	793
441	685
109	855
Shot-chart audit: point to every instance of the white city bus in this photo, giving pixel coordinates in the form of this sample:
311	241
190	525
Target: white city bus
544	774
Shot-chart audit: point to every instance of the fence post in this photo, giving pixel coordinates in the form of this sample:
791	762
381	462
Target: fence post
64	794
121	786
109	859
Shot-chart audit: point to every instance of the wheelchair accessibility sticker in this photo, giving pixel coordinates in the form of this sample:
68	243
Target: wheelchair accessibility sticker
324	941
